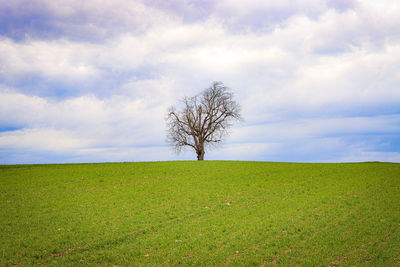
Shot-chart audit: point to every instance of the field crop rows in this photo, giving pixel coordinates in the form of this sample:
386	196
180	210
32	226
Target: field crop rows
200	213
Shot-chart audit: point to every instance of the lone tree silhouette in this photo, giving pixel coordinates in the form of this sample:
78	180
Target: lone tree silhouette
204	119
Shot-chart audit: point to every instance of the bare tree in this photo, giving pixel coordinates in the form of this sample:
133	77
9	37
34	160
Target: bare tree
204	119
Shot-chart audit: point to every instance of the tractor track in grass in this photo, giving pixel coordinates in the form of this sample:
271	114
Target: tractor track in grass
152	228
228	260
283	232
332	223
265	213
155	227
345	256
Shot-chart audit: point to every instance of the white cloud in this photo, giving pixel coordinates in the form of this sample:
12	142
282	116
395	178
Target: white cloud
50	140
258	15
116	121
306	79
383	5
298	129
61	59
245	151
362	156
88	20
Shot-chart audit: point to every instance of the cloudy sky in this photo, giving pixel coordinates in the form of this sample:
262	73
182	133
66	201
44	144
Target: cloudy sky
91	81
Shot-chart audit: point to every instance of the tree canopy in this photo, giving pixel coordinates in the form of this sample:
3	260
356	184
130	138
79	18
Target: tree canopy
203	120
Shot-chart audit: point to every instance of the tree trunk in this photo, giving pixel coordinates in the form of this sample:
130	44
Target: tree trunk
200	156
200	152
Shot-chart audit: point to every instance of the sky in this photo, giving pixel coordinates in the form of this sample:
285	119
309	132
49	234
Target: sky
91	81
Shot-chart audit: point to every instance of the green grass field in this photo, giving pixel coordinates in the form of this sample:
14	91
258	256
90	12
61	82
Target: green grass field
200	213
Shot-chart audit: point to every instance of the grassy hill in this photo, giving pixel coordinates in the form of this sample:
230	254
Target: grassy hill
200	213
